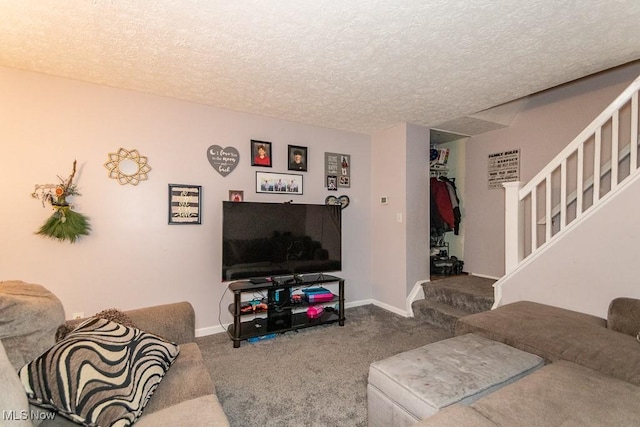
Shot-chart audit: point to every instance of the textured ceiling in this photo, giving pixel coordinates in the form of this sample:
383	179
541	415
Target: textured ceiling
354	65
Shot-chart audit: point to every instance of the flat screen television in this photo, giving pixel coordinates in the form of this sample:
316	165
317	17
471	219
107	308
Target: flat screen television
276	239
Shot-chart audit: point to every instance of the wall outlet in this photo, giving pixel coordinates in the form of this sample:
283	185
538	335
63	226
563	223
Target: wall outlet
78	315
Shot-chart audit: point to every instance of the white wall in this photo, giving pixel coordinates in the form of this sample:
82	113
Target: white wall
400	229
388	236
417	212
133	258
549	121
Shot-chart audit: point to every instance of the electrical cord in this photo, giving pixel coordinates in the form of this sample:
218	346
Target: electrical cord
220	307
220	304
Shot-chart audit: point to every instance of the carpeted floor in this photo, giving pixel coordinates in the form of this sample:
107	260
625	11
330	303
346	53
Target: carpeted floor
313	377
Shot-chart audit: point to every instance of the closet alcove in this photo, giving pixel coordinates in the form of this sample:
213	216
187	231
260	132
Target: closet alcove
446	162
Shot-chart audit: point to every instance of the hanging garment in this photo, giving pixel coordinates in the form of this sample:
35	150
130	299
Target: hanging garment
440	197
438	226
455	203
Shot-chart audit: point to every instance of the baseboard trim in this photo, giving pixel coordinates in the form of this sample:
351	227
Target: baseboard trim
211	330
391	308
380	304
414	295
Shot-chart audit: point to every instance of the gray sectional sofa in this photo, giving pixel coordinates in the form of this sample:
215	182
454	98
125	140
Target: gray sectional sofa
29	318
591	376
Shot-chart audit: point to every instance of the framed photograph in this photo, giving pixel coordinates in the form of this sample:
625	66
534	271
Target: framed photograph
297	158
184	204
236	196
332	183
260	153
278	183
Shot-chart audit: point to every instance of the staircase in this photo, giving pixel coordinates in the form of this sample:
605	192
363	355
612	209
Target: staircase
449	298
582	179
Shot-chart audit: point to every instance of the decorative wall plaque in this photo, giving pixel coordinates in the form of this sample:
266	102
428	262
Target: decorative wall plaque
503	167
337	166
223	160
184	204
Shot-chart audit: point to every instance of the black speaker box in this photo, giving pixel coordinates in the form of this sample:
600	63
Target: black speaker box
279	319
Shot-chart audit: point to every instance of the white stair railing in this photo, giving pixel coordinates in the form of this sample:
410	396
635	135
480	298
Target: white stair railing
598	162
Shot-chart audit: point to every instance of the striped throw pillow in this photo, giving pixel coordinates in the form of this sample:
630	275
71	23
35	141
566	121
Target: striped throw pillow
101	374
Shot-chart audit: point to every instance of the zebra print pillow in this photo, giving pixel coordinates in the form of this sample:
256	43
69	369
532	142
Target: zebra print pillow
101	374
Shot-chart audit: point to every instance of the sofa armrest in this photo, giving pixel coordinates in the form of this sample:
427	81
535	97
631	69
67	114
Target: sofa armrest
175	322
624	316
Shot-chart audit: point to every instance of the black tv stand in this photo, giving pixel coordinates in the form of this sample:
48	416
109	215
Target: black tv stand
282	314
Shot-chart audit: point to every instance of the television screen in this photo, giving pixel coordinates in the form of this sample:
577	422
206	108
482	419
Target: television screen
271	239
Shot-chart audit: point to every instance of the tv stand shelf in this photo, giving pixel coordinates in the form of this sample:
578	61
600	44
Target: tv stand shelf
280	317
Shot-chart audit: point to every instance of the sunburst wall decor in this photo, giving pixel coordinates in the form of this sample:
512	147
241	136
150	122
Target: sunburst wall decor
127	166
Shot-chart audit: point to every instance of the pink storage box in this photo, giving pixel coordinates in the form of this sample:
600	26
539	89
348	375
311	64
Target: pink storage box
320	297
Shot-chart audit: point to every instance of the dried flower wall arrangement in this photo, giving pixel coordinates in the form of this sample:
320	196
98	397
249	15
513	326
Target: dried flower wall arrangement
64	223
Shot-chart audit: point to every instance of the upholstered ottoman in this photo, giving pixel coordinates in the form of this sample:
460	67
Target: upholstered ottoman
413	385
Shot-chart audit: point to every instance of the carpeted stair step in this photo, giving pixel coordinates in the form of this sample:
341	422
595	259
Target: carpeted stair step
470	294
438	314
448	299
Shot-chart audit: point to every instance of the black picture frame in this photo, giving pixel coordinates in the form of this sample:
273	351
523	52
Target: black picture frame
256	159
279	183
297	158
332	183
185	202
